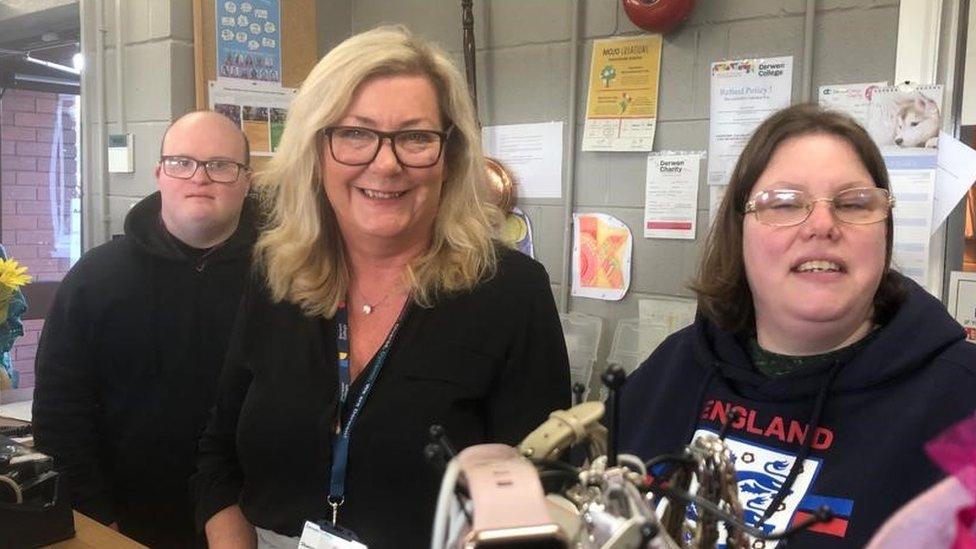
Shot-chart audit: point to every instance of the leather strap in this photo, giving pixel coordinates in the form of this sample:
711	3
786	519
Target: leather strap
509	503
563	429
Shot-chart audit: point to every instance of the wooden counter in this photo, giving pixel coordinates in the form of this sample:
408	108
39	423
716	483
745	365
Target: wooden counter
90	534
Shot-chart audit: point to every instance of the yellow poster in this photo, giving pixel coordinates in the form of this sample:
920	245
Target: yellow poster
621	106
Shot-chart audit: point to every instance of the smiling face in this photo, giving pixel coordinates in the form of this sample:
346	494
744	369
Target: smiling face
198	211
385	202
813	284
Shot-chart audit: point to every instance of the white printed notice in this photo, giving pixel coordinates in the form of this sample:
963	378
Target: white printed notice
743	94
904	123
533	152
955	175
671	195
716	193
912	217
661	317
851	99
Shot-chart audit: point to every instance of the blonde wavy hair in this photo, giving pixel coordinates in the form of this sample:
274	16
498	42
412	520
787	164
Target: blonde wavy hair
300	252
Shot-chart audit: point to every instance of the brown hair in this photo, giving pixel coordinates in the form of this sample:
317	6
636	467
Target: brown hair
723	291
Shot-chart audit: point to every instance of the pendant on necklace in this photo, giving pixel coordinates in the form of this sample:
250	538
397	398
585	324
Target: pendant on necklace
367	308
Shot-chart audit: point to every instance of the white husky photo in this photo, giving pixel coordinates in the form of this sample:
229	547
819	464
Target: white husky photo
905	119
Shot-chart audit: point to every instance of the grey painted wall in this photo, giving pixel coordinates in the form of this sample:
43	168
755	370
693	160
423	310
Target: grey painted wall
333	21
523	76
158	86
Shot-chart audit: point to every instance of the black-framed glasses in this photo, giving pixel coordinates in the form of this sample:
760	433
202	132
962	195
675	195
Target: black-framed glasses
219	171
788	207
357	146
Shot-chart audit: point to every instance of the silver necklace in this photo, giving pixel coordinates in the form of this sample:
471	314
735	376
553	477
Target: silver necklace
367	307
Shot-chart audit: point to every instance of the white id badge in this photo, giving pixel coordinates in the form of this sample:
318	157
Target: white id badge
316	537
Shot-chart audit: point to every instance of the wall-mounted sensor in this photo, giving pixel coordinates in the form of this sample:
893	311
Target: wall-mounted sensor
120	156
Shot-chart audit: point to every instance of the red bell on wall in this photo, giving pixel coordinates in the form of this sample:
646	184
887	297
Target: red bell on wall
658	15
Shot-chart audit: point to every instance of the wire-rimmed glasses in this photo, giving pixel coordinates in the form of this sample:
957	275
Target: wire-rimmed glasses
789	207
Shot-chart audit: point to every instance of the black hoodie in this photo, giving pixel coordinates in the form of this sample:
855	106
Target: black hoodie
858	423
127	367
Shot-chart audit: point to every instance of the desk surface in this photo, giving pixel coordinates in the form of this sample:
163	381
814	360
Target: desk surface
16	403
90	534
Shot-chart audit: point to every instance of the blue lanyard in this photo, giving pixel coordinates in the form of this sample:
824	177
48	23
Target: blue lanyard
340	441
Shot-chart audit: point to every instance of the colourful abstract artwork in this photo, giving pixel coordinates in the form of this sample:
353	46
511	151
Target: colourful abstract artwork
602	248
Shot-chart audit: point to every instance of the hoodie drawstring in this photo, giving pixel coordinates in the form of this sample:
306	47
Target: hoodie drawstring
812	425
712	372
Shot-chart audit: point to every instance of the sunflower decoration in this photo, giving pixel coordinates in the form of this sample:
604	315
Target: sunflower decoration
13	276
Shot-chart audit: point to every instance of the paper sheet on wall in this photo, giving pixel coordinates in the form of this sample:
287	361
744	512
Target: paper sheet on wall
904	123
663	316
621	106
534	153
716	193
248	37
912	216
955	175
602	250
852	99
671	195
743	94
962	301
260	112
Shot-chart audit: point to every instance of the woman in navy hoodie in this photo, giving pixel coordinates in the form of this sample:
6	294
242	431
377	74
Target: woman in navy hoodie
837	368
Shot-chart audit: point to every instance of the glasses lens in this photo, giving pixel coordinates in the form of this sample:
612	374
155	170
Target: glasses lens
781	207
861	206
418	148
354	145
222	171
180	167
359	146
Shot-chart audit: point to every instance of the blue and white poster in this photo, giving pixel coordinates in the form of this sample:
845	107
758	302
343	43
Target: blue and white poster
904	122
249	40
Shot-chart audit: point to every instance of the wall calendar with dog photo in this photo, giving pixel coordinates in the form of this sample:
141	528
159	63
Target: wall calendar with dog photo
904	121
851	99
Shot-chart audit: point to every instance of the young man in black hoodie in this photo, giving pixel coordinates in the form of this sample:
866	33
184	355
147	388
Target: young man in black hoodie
829	369
132	347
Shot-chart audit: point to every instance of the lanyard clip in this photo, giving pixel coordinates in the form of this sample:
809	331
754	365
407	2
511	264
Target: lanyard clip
335	503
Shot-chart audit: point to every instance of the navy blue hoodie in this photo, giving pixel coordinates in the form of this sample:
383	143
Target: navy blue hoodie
857	425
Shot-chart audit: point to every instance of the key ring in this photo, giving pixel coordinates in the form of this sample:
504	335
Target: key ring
335	503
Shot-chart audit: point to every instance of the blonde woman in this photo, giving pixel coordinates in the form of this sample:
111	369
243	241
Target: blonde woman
384	305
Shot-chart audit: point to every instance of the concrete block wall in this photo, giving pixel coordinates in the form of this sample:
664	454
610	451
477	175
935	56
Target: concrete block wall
38	176
158	86
524	76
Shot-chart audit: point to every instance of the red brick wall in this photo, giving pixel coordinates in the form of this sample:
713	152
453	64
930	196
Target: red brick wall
33	191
